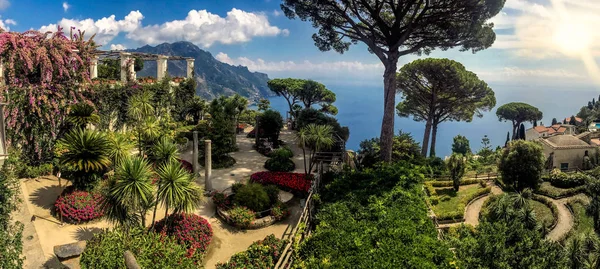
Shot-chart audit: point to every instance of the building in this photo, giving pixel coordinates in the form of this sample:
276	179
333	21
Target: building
578	120
567	151
538	132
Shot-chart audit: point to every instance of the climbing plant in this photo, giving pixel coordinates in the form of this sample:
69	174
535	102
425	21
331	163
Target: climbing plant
44	75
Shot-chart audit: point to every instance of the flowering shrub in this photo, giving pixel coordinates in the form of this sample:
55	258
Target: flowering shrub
221	200
261	254
79	206
190	230
280	211
241	216
291	181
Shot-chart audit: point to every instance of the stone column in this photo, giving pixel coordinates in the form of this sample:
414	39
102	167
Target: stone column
131	68
195	154
124	66
161	67
190	68
207	166
2	78
94	68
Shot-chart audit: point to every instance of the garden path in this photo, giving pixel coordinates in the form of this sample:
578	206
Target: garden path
565	218
474	208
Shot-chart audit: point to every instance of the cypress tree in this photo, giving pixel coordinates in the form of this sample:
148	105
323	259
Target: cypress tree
522	132
507	139
554	121
535	123
573	121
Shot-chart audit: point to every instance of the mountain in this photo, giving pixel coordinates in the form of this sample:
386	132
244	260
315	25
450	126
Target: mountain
214	78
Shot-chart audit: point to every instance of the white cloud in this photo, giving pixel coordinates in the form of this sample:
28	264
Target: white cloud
531	75
204	28
10	22
306	67
66	6
4	24
277	13
200	27
105	29
4	4
117	47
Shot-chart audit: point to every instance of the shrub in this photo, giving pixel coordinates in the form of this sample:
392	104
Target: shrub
563	180
282	153
261	254
549	204
78	206
252	196
29	171
241	216
280	165
190	230
439	184
273	193
289	181
151	250
221	199
521	164
236	186
558	193
280	211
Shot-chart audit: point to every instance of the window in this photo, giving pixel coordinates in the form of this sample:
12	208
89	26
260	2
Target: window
564	166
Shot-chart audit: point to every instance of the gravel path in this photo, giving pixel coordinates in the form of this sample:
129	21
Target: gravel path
474	208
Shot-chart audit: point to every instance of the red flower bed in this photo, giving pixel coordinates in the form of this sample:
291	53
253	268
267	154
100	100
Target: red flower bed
79	206
189	229
291	181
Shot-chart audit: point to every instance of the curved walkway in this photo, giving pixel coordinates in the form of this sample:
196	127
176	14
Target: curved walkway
474	208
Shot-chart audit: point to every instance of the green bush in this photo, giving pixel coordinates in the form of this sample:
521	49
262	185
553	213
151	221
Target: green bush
261	254
273	193
235	187
27	171
280	165
282	153
252	196
559	193
566	180
151	250
438	184
241	216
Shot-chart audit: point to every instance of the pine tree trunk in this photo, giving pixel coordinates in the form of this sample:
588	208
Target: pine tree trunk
389	107
433	138
426	138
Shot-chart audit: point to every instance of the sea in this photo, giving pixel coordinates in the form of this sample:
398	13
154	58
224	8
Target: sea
361	109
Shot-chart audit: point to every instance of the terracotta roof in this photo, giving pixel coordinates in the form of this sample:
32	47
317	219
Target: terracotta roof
561	130
551	130
577	119
595	141
540	129
566	141
555	126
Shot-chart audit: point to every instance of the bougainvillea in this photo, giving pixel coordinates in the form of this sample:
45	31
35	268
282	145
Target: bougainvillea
79	206
190	230
291	181
44	75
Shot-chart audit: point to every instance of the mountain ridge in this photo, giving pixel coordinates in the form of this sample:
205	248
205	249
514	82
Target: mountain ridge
214	78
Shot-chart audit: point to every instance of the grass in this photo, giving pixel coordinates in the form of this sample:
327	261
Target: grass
583	222
451	204
542	212
547	189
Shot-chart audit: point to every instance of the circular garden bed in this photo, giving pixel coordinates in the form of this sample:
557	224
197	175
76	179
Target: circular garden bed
250	206
76	206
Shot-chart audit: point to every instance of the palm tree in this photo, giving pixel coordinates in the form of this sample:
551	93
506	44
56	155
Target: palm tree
164	151
318	137
177	189
140	108
456	166
120	148
130	195
302	138
87	152
82	114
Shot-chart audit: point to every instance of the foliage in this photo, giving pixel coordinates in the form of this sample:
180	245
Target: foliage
261	254
314	93
263	104
295	182
82	114
120	147
486	152
280	160
453	203
560	179
288	88
271	124
221	131
593	191
521	164
375	218
87	152
558	193
241	216
44	75
390	32
461	145
177	189
404	148
518	113
252	196
190	230
151	250
129	195
280	211
11	245
30	171
313	116
164	151
78	206
318	138
221	200
439	90
465	181
456	167
248	116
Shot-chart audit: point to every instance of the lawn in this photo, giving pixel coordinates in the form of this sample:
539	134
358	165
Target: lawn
542	212
451	204
583	222
548	190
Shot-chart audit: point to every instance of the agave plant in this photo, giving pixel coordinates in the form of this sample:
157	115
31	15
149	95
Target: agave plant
130	195
82	114
177	189
86	152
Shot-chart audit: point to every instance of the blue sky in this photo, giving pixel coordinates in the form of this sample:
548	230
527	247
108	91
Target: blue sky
256	34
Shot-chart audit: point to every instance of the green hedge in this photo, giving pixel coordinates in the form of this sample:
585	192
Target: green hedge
566	180
549	204
438	184
558	193
453	215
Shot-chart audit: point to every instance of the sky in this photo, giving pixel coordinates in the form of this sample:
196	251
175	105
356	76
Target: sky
540	43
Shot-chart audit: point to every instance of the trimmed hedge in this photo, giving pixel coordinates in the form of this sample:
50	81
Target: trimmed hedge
558	193
566	180
438	184
549	204
463	204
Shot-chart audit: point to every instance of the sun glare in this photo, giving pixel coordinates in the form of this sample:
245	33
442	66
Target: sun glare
572	38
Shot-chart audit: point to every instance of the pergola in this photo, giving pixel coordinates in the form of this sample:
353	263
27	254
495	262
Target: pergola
127	63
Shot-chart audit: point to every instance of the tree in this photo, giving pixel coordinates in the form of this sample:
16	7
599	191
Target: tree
289	88
461	145
164	151
11	231
264	104
521	164
456	165
535	124
392	29
522	131
87	153
119	148
438	90
140	110
318	137
486	148
314	93
554	121
590	105
271	123
518	113
237	105
572	121
404	148
507	139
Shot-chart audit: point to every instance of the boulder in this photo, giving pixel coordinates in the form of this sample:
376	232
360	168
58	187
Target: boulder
72	263
285	196
69	250
130	261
